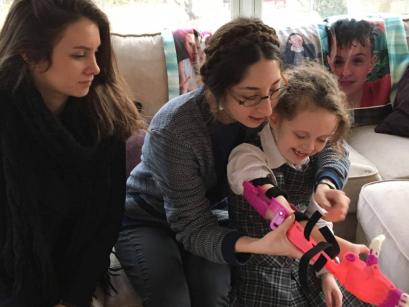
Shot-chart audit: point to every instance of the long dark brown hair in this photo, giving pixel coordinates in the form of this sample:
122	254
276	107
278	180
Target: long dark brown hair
33	27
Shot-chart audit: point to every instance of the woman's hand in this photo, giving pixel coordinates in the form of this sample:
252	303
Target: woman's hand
273	243
283	201
335	202
332	293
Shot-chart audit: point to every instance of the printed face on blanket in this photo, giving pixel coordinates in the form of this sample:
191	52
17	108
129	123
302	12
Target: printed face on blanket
352	59
64	120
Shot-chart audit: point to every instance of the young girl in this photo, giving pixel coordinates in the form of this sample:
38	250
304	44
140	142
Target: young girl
309	114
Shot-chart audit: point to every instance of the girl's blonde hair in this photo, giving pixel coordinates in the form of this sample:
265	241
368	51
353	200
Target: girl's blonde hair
311	85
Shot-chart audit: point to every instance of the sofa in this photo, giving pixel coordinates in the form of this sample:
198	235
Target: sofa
148	65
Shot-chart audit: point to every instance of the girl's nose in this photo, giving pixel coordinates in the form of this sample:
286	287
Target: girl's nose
309	146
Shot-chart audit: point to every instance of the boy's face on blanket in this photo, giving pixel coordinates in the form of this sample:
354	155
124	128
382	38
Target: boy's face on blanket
352	65
304	135
73	63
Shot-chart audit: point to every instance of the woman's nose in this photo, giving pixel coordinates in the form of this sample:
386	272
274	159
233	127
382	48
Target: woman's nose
266	106
93	67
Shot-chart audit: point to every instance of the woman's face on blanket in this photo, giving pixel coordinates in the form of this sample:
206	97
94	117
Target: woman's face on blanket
304	135
73	64
261	79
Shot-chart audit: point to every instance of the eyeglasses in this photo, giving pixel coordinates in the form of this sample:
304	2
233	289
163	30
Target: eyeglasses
254	100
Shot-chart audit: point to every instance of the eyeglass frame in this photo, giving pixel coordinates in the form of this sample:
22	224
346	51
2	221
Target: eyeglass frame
278	90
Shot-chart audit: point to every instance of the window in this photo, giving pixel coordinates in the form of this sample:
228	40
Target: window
4	8
139	16
147	16
136	16
277	12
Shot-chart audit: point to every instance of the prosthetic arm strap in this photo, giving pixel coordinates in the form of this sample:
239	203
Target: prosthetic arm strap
274	191
311	223
306	258
334	250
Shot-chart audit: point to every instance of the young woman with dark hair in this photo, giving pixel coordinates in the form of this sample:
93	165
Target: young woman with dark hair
64	119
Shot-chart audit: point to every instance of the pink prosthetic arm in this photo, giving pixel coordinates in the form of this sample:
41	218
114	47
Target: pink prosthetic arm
362	278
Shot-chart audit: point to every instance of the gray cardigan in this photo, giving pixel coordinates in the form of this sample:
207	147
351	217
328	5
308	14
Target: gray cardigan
176	171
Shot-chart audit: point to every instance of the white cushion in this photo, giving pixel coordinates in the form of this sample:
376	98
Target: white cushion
361	172
383	208
141	61
389	153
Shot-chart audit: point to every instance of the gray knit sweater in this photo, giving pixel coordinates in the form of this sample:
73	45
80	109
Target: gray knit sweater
176	172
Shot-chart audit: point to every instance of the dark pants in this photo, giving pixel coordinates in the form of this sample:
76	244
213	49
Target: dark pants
163	274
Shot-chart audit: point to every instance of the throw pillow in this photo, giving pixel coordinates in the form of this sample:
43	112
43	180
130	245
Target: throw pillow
397	122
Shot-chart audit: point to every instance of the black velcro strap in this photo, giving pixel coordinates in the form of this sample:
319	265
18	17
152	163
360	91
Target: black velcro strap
334	250
311	223
319	264
274	192
305	260
261	181
299	216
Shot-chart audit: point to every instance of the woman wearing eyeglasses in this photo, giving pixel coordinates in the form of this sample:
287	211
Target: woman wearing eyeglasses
175	245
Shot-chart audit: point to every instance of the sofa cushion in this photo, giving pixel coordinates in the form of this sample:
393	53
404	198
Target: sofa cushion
133	150
361	171
382	209
397	122
389	153
141	61
125	295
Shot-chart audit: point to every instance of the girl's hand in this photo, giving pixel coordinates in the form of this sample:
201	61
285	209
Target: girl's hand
334	201
332	293
359	249
273	243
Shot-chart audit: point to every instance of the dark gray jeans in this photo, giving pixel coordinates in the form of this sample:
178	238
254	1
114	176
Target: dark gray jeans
163	274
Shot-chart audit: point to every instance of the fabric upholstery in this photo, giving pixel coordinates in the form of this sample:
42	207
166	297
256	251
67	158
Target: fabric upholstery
382	209
397	122
141	61
388	152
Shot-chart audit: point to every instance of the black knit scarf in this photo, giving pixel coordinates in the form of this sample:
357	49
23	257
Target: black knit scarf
58	186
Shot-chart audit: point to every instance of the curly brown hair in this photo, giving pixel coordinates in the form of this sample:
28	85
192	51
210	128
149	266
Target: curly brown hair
312	85
233	48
